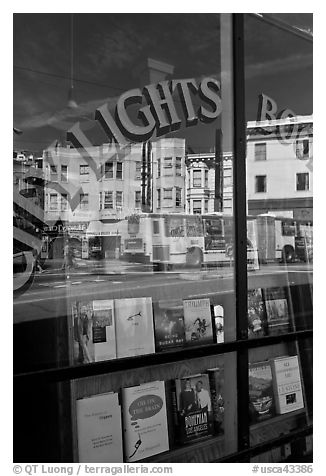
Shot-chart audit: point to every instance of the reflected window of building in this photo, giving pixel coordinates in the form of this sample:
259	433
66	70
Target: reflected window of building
168	193
53	169
108	170
178	197
108	200
206	206
196	181
260	184
260	151
100	201
159	167
138	170
83	201
168	166
196	206
138	199
119	171
178	165
159	198
64	173
303	181
206	178
53	201
119	199
64	202
302	148
84	170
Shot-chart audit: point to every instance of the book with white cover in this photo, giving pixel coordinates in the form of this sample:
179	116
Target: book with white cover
99	429
287	384
134	326
144	421
104	330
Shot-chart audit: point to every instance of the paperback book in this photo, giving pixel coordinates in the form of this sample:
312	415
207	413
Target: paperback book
94	331
198	321
144	421
169	325
193	407
216	384
218	312
257	322
277	310
287	384
261	396
99	429
134	327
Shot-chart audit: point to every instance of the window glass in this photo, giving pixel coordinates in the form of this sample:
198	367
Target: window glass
112	264
279	166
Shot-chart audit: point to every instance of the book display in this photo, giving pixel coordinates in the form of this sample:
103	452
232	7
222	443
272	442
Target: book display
134	327
216	384
144	421
257	322
277	310
261	395
169	325
99	429
194	412
198	321
287	384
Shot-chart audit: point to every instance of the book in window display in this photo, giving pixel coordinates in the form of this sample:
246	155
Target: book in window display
287	384
257	322
198	321
144	421
94	331
169	325
277	310
261	395
216	384
193	407
99	429
218	312
134	326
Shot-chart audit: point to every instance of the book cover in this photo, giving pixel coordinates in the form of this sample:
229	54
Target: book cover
83	332
94	333
198	321
277	311
194	407
144	421
99	429
261	395
257	321
169	325
216	384
218	312
103	330
287	384
134	326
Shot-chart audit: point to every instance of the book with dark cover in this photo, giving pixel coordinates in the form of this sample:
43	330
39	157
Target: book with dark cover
198	321
193	406
261	395
216	383
277	310
257	321
218	328
169	325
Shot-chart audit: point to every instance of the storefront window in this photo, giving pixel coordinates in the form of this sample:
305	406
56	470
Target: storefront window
128	274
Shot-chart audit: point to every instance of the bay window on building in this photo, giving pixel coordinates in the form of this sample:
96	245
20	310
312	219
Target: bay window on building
108	170
167	166
138	170
119	170
83	201
196	182
178	197
84	171
64	173
158	198
64	202
137	199
53	205
108	200
302	149
118	199
196	207
178	166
